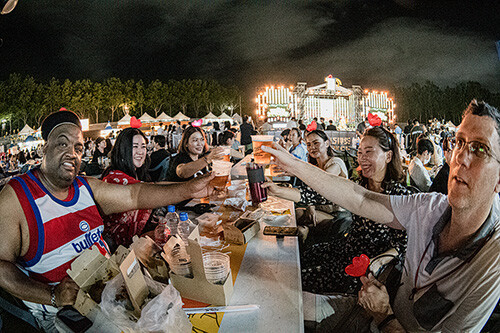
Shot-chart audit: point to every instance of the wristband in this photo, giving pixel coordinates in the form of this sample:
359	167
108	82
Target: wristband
386	321
53	295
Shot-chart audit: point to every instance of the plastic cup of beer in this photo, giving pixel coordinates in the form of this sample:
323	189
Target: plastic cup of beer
222	170
260	156
227	153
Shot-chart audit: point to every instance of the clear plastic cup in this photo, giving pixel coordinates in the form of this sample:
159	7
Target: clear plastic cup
227	153
180	262
260	156
222	170
217	266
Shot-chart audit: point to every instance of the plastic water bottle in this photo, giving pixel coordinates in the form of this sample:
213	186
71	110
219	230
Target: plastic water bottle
172	220
161	231
183	227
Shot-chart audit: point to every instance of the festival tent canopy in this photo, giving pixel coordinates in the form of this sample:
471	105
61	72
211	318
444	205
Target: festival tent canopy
181	116
108	126
210	116
26	130
450	124
224	116
237	118
164	117
146	118
125	120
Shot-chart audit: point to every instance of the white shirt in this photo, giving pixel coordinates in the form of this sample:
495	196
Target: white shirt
474	288
419	175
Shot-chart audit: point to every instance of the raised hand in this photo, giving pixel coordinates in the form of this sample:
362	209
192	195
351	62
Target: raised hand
199	187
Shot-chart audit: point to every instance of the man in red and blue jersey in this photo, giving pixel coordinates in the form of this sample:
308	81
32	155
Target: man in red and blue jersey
50	215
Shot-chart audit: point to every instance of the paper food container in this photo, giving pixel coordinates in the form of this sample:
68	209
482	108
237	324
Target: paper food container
90	271
241	231
134	282
198	288
160	270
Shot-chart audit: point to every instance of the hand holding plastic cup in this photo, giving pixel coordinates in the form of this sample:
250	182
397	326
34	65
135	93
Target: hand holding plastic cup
222	170
260	156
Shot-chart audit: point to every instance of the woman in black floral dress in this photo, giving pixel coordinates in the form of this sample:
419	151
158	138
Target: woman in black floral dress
323	264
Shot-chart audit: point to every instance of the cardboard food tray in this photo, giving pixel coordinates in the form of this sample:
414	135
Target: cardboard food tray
198	288
90	268
241	231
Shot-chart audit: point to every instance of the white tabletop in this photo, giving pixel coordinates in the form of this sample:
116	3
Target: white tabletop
269	276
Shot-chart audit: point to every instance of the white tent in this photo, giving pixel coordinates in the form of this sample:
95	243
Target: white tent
163	117
181	116
210	116
26	130
146	118
450	124
125	120
237	118
224	116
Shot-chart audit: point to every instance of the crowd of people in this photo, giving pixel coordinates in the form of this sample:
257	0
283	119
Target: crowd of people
423	196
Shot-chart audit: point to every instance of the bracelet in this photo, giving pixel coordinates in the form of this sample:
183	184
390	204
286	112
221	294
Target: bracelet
53	295
386	321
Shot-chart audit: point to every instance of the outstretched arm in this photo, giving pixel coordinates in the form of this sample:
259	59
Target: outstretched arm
113	198
338	190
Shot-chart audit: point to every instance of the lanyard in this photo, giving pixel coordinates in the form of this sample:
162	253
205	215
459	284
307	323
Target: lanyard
416	289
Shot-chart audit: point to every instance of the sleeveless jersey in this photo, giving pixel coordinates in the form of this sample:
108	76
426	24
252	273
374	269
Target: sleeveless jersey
59	230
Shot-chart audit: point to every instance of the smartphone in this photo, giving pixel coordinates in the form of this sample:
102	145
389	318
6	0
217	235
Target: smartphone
74	319
281	231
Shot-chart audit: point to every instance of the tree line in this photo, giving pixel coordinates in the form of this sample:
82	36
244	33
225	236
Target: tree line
24	100
427	101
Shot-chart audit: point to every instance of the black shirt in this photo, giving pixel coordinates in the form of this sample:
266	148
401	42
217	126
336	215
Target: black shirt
156	158
361	127
440	183
246	131
97	154
181	158
331	128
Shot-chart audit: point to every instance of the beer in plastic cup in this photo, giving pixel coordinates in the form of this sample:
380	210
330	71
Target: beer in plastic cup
222	170
227	153
260	156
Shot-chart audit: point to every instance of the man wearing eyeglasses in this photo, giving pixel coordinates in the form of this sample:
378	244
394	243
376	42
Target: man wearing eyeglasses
451	281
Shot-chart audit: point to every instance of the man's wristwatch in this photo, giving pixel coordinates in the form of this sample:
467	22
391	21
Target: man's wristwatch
53	295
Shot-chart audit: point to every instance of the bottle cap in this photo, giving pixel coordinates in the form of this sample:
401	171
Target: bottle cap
183	216
171	208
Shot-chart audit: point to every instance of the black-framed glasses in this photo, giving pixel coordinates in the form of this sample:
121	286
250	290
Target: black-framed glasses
476	148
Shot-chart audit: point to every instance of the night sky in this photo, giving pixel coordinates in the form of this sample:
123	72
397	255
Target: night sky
253	43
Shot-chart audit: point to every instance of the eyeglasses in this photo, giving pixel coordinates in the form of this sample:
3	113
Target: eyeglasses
478	149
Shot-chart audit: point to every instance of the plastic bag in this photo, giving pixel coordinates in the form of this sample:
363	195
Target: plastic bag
163	313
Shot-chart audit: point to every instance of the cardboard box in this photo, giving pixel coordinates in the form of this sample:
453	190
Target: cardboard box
92	268
156	267
198	288
134	282
241	231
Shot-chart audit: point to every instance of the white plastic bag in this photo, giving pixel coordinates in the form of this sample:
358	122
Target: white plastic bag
163	313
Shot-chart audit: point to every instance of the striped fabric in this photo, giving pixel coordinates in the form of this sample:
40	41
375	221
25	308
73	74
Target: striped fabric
59	229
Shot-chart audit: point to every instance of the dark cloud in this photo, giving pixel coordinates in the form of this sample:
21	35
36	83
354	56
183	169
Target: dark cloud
253	43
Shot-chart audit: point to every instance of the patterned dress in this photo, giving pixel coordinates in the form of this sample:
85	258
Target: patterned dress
323	264
121	227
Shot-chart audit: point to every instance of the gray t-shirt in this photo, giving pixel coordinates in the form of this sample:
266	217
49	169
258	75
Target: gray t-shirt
469	294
